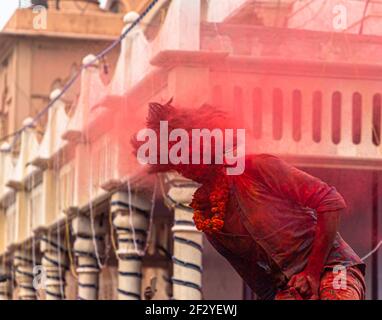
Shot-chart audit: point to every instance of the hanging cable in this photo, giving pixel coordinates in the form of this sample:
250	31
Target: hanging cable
363	17
372	251
151	219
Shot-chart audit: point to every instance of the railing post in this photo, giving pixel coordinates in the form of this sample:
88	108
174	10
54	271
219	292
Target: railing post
5	282
88	248
131	222
23	264
54	262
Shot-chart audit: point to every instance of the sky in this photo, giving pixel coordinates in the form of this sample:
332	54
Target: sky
7	7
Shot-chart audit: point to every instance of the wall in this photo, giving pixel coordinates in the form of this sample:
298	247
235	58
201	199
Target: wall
55	61
34	67
220	280
7	86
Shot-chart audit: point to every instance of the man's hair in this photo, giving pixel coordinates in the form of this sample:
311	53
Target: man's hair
204	117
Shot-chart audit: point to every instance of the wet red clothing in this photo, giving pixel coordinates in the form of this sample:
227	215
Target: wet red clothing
270	225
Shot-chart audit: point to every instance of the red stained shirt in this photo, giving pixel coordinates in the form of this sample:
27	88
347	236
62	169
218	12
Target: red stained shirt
270	225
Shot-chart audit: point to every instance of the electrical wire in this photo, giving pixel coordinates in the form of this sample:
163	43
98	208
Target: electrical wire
372	251
363	16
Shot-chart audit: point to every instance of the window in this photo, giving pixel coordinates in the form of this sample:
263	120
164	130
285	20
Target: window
65	188
277	114
296	114
356	118
102	162
376	134
35	213
317	116
336	117
257	112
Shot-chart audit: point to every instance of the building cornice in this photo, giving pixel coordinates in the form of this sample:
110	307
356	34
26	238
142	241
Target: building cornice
66	24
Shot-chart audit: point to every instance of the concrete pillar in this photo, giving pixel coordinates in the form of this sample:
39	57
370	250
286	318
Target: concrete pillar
5	282
131	220
88	248
23	264
187	256
54	263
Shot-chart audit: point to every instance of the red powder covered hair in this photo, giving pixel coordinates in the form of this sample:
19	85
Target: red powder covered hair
204	117
210	200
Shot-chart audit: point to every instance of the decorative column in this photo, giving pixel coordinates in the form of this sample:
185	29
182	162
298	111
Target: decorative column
131	221
181	28
54	263
187	256
23	264
5	282
88	248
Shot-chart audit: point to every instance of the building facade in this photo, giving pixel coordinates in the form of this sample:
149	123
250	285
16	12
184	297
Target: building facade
81	219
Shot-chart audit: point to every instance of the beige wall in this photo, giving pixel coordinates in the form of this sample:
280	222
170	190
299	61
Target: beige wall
22	86
55	61
7	81
34	67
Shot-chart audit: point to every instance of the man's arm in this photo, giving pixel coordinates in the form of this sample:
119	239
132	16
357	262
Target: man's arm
307	283
308	191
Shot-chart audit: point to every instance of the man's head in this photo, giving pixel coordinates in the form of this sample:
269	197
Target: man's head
193	142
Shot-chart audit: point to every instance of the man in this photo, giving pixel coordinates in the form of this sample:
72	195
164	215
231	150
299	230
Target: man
275	224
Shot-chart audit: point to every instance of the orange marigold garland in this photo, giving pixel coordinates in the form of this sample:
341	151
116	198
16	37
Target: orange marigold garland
210	203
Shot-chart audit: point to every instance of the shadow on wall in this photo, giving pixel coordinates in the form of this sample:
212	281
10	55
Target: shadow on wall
220	280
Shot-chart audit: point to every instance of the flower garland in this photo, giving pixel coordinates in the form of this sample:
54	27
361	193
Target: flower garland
210	203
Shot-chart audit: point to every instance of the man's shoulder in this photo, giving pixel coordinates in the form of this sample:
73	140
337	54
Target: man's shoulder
256	161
